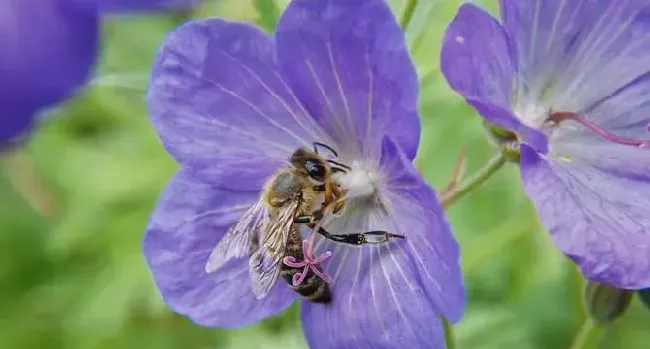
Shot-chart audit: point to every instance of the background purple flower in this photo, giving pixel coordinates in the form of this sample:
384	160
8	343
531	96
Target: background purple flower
589	59
47	51
231	105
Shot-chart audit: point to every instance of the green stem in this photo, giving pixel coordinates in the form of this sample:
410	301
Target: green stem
449	334
589	335
23	175
493	165
408	13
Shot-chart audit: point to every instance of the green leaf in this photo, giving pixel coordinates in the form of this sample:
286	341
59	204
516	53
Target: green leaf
267	14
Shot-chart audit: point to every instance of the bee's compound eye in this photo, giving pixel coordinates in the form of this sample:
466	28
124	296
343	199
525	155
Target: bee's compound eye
315	170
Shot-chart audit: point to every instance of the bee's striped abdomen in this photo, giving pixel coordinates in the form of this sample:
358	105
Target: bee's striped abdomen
313	288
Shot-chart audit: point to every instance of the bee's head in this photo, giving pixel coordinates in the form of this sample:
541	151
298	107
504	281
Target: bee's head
309	162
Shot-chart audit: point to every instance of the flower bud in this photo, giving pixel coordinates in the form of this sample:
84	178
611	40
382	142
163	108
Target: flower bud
511	150
499	134
507	141
606	303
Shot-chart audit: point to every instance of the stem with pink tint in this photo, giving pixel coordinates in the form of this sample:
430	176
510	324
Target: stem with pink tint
449	197
24	176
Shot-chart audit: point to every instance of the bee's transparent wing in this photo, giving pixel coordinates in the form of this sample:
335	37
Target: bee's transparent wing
265	262
236	243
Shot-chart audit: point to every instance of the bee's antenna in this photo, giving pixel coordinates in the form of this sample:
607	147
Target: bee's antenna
317	144
339	164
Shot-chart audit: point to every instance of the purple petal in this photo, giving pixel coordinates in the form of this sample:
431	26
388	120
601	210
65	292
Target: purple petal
479	63
397	290
378	302
135	5
621	103
594	200
14	124
544	33
429	240
626	113
390	307
581	52
190	218
348	63
48	50
221	107
505	118
360	324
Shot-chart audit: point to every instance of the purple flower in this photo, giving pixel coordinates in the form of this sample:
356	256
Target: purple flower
47	50
232	104
571	79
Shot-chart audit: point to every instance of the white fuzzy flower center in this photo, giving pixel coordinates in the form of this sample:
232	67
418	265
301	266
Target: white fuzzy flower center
536	115
360	182
532	115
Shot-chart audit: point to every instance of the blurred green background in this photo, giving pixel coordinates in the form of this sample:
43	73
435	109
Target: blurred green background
74	204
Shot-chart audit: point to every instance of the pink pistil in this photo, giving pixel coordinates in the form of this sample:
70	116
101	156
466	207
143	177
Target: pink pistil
561	116
308	263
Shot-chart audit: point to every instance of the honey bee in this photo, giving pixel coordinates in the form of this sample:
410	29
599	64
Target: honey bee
269	230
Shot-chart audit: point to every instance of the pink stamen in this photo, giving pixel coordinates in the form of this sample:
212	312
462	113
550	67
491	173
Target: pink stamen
561	116
308	249
291	261
298	278
321	273
323	257
307	264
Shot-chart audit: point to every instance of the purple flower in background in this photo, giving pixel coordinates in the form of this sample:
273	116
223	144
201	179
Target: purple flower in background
47	50
232	104
572	80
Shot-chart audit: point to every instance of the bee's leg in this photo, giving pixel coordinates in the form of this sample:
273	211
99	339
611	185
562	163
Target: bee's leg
316	216
310	219
331	192
340	203
307	219
328	193
369	237
337	206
